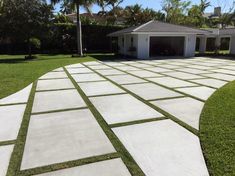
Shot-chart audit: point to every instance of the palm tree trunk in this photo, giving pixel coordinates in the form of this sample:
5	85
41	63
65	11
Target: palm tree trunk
29	48
79	33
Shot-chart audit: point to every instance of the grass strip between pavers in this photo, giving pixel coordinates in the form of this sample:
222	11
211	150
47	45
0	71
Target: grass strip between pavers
132	166
166	114
2	143
16	158
136	122
67	164
17	154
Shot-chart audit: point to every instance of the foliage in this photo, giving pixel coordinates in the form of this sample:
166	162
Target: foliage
35	42
72	5
175	10
23	19
136	15
61	18
195	14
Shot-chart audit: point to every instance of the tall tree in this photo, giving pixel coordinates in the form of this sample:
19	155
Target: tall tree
136	15
76	4
175	10
25	20
196	14
133	14
226	18
114	3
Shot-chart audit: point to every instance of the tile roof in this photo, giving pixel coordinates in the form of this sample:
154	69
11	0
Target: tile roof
157	26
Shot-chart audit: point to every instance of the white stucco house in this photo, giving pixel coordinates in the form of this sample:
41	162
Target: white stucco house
155	39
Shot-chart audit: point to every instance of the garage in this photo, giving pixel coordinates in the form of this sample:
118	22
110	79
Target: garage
166	46
156	39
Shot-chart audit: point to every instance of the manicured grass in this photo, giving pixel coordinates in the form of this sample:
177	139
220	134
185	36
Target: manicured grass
217	131
16	72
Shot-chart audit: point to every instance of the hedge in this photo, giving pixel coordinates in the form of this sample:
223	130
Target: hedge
61	38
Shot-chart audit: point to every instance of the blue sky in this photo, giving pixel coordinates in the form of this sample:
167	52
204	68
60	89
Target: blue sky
156	4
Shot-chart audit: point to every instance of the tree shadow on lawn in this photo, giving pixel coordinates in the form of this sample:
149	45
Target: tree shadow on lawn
112	57
12	61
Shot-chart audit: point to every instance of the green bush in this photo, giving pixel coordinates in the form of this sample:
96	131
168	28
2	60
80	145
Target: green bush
35	42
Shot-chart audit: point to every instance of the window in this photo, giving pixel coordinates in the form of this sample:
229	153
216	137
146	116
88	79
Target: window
122	41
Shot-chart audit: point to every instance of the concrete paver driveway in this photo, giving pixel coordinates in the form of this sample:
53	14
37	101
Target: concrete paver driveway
119	118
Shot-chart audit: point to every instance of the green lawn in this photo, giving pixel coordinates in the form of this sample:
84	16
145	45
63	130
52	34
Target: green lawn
16	73
217	123
217	131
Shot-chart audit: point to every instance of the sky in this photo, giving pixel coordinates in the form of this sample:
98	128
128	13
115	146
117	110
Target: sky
156	4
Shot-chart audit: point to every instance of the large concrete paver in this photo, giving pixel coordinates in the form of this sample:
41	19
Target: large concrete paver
63	136
163	148
91	63
150	91
54	84
75	66
210	82
144	73
158	69
225	71
110	72
125	79
10	121
186	109
87	77
113	63
100	67
171	82
201	92
183	75
127	68
229	67
54	75
199	67
5	155
100	88
123	108
221	76
18	97
57	100
193	71
79	70
113	167
141	65
58	70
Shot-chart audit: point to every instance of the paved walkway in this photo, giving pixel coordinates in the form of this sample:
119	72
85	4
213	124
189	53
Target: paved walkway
116	118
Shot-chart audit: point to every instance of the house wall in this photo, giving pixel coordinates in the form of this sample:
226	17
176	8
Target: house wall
143	46
124	49
190	45
142	42
232	45
120	45
128	44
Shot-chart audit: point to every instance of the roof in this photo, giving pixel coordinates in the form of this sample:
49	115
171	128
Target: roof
226	31
159	27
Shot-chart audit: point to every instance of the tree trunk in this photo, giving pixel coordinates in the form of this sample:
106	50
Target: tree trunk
29	48
79	33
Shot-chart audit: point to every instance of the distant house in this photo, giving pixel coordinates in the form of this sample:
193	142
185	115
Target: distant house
216	37
155	38
214	15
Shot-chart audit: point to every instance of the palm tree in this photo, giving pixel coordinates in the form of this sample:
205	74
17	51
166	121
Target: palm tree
77	4
133	14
